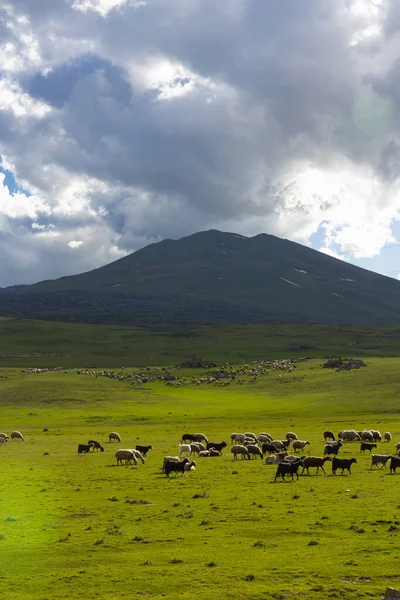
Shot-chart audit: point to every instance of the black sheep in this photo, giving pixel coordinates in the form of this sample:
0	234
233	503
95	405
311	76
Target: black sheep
333	447
394	463
144	449
177	467
216	445
342	463
367	446
84	448
288	468
270	448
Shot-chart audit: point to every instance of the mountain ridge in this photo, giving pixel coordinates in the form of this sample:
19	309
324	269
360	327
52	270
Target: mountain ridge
214	277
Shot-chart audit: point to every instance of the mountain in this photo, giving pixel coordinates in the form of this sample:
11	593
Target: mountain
214	277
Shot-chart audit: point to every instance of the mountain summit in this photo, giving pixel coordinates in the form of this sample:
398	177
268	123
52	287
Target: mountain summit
214	277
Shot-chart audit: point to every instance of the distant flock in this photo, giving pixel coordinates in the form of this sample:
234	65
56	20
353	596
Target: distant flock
249	446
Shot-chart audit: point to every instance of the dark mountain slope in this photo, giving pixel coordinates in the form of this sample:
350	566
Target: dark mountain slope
212	277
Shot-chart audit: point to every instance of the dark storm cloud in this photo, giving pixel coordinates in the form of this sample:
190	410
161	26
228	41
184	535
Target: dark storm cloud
167	117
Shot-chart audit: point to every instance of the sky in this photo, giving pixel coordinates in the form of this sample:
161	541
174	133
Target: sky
124	122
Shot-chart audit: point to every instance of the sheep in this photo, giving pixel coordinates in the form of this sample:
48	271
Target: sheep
264	437
170	459
200	437
138	455
17	435
275	459
387	436
233	437
376	435
178	467
380	459
114	437
350	435
143	449
242	450
217	445
194	448
288	468
239	438
96	445
366	436
204	453
188	437
84	448
271	448
125	455
329	435
291	436
367	446
332	447
4	435
314	461
397	446
342	463
189	466
394	463
184	449
250	435
3	441
279	445
299	445
214	452
254	451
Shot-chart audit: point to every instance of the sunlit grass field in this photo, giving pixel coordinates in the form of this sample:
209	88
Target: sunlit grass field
74	526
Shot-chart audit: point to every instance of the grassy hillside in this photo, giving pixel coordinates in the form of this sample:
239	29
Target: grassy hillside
44	344
227	530
214	277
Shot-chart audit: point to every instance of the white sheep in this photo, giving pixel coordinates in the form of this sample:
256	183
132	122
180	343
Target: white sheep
138	455
367	436
291	436
278	444
204	453
113	436
250	435
299	445
17	435
195	448
264	438
238	449
3	441
349	435
184	449
387	436
239	438
125	455
275	459
200	437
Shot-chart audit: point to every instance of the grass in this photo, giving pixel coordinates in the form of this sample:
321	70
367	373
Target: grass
70	522
50	344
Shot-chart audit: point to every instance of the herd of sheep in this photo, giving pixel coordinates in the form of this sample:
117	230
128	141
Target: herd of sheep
249	446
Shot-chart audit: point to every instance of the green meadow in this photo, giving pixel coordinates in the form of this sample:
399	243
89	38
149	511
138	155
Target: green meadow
74	526
33	343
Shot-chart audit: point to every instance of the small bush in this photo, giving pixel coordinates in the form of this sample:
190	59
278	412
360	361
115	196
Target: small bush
211	564
313	543
249	577
258	544
176	561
